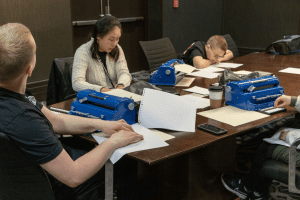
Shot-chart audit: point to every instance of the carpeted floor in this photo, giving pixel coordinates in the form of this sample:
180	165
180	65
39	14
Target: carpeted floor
279	191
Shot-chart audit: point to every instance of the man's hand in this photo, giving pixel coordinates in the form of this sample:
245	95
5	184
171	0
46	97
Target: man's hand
282	101
111	127
283	135
123	138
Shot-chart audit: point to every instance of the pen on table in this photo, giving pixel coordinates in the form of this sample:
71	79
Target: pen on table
59	110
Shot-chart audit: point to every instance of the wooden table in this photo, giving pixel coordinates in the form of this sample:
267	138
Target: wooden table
191	166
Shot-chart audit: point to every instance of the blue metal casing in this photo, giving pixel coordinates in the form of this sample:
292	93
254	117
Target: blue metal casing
90	103
165	75
253	94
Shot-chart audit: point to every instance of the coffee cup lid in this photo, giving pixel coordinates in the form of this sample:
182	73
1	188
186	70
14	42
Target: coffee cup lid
215	88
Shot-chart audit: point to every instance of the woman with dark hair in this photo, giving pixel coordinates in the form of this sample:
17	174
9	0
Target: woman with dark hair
100	63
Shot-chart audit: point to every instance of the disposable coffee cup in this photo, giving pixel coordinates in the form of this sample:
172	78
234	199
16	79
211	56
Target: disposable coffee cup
215	96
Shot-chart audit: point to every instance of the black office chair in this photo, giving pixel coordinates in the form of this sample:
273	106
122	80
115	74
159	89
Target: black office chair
231	45
158	52
60	81
285	173
20	178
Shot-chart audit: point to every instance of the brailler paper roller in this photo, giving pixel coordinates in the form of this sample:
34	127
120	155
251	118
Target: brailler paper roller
90	103
253	94
165	75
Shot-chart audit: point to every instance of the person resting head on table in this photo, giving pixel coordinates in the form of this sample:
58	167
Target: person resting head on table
201	54
100	64
254	186
33	127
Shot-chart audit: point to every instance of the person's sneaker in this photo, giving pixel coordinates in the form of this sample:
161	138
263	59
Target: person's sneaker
235	185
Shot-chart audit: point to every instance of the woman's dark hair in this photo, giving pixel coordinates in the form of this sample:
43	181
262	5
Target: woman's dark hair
102	27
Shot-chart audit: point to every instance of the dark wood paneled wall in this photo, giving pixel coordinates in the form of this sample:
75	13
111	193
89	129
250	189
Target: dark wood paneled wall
50	24
192	20
133	32
256	24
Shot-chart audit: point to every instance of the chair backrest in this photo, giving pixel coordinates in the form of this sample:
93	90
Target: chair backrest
158	51
20	178
60	81
231	45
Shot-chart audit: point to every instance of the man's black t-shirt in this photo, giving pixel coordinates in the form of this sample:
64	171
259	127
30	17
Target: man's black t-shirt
195	49
24	123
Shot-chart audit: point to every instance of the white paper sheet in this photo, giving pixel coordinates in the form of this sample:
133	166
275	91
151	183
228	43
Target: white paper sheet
184	68
227	65
123	93
291	70
232	115
197	101
204	74
197	89
211	69
150	141
185	82
243	72
164	110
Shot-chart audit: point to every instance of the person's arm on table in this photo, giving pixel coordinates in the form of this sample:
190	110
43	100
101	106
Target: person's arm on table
123	75
228	56
201	63
74	173
70	124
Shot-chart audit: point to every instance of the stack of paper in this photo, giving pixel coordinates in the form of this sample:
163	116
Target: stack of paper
232	115
168	111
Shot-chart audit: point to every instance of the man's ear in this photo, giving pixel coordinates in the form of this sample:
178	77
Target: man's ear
29	70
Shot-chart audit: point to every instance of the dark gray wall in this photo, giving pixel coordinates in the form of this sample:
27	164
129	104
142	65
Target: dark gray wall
193	20
50	24
257	23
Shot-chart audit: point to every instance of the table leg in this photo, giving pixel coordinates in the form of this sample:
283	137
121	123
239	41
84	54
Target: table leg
109	175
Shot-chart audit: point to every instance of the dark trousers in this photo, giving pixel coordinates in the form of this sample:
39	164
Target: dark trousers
125	177
266	151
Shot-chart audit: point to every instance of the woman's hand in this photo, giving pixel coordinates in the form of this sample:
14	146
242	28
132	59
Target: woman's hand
121	86
105	89
111	127
123	138
282	101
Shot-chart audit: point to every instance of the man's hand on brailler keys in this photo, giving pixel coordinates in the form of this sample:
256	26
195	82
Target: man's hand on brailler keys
111	127
282	101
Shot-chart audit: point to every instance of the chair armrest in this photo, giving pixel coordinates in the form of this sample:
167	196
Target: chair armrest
292	167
